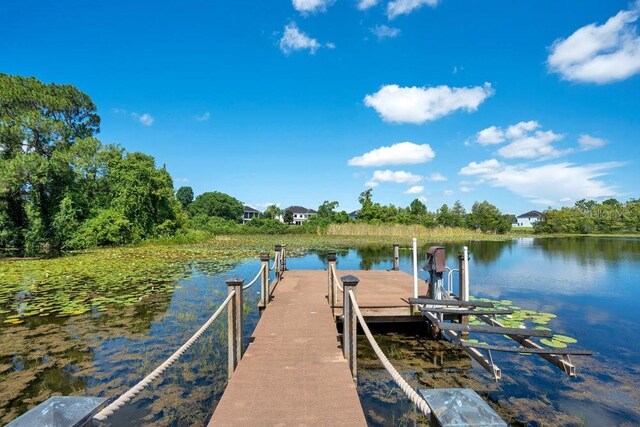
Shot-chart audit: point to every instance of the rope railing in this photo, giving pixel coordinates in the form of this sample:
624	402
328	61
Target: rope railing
404	386
335	277
255	279
135	390
275	262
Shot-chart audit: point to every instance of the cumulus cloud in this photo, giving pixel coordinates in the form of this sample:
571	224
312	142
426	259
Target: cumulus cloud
371	184
525	140
293	40
416	189
490	135
436	177
385	32
203	117
588	142
448	192
547	184
466	189
398	177
421	104
146	118
402	153
600	53
311	6
367	4
403	7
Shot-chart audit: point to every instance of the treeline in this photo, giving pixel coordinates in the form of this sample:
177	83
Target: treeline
591	217
60	187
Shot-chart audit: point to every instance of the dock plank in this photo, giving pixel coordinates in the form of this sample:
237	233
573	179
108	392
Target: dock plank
293	373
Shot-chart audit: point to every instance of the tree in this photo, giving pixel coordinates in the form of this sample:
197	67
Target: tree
272	212
417	208
217	204
488	218
458	214
185	196
327	209
288	217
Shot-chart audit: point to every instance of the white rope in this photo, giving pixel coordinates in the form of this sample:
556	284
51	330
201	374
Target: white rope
409	391
275	262
255	279
135	390
335	277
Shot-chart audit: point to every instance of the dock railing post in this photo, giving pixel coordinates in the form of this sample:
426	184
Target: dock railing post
264	297
349	324
278	249
463	277
333	284
284	257
234	317
396	257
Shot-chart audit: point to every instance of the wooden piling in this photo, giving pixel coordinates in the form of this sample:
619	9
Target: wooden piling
350	325
234	317
332	288
396	257
264	289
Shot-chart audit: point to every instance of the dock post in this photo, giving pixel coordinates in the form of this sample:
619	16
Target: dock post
463	276
234	317
284	257
264	292
396	257
278	249
349	324
333	285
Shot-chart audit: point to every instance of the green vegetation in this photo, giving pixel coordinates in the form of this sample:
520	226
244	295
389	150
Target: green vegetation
591	217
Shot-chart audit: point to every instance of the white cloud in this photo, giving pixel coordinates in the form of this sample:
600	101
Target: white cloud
422	199
482	168
588	142
371	184
181	180
146	118
398	177
366	4
402	153
310	6
330	45
385	32
490	135
421	104
436	177
547	184
203	117
536	145
416	189
600	53
448	192
293	39
466	189
403	7
525	141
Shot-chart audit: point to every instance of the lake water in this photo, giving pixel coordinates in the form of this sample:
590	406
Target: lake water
589	283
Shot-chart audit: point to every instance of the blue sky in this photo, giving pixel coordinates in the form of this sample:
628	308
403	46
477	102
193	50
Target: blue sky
525	104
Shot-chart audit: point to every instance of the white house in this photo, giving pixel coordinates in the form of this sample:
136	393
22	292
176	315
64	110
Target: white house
300	214
527	219
249	213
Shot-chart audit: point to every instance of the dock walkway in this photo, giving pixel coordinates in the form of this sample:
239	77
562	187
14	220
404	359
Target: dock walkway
293	372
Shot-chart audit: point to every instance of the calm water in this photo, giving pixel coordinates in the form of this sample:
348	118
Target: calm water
590	283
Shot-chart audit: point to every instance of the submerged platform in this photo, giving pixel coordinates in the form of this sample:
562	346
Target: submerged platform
460	407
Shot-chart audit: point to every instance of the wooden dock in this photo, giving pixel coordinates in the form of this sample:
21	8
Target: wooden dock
293	372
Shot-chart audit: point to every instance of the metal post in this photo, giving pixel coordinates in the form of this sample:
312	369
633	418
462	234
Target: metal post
264	292
278	249
234	317
464	286
350	323
396	257
415	267
465	294
333	284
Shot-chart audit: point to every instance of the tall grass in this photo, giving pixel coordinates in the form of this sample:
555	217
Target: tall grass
400	230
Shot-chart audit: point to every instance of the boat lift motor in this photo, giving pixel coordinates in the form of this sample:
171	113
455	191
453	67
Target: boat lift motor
436	267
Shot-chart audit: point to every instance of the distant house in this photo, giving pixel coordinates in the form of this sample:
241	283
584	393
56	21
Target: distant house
300	214
527	219
249	213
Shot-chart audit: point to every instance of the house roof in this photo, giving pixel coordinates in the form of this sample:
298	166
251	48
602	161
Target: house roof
531	214
300	210
250	209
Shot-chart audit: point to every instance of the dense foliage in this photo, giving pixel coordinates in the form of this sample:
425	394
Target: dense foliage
588	216
60	187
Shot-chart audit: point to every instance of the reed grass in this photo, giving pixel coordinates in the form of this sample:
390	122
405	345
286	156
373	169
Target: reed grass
418	231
